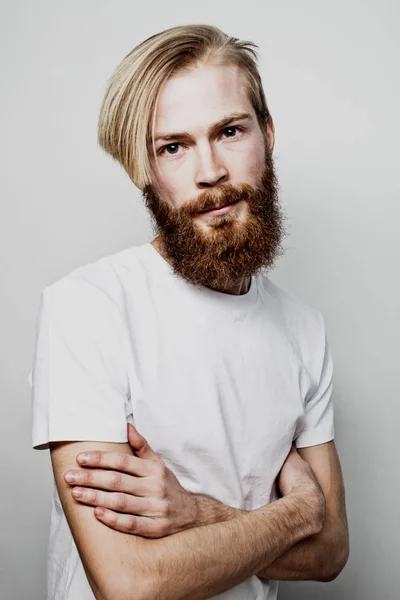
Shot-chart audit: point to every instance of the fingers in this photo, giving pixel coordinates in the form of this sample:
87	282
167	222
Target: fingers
139	443
116	501
115	461
143	526
111	481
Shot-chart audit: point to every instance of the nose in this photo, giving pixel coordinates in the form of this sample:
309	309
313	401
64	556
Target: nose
210	169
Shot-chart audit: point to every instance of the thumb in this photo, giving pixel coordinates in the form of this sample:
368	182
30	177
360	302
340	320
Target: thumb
139	444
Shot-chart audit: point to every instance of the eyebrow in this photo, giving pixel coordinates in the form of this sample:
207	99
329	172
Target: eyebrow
236	116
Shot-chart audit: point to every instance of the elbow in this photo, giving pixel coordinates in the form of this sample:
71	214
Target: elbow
333	568
134	580
125	587
138	592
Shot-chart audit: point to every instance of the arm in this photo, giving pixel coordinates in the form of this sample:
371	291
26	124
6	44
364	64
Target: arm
323	556
320	557
192	564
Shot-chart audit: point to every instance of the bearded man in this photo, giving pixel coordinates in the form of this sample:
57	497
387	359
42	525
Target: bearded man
185	397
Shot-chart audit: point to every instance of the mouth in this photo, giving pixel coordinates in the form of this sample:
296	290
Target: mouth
219	211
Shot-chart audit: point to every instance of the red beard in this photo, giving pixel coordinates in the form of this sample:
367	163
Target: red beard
230	247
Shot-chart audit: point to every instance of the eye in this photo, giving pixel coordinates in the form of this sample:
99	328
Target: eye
173	146
232	127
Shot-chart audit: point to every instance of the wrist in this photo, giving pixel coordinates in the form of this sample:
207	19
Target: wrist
312	502
208	510
300	511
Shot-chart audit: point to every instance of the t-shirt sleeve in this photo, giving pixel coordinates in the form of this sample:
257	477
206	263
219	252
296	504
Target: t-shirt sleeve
79	382
317	425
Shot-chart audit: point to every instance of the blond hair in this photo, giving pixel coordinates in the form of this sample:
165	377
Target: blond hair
127	115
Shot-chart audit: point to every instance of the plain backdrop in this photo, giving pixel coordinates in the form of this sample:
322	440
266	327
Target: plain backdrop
331	76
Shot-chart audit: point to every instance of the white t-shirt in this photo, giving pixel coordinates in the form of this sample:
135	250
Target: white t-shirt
220	385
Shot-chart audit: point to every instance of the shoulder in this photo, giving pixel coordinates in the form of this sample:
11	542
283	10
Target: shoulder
295	312
89	302
96	284
302	323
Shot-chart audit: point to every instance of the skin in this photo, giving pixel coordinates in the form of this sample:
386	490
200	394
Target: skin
146	499
137	493
195	563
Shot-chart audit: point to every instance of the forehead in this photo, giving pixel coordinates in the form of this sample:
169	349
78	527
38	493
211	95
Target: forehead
193	100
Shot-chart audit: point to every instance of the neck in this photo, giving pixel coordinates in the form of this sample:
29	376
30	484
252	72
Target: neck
237	289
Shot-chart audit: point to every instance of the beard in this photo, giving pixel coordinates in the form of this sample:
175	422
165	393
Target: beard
224	249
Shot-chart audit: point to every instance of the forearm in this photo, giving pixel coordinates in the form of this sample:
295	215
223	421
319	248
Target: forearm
311	559
307	560
207	560
209	510
321	557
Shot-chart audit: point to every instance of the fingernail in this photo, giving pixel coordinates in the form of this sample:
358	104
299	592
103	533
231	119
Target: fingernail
70	477
77	492
83	458
99	511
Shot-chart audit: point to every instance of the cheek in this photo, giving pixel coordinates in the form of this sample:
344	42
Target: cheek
257	161
172	192
248	164
166	185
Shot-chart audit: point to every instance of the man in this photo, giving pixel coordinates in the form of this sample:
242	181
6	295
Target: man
230	479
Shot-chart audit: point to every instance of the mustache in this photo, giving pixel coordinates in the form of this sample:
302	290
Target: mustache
228	193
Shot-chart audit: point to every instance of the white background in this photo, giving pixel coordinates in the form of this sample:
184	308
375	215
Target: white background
331	77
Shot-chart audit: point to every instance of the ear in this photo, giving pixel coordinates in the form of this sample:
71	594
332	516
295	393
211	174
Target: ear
270	132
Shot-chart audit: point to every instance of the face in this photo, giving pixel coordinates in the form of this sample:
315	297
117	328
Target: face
212	154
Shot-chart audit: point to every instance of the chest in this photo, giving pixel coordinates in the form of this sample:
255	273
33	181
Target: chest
217	393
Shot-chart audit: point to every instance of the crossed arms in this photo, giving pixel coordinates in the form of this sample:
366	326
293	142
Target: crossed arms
282	540
321	557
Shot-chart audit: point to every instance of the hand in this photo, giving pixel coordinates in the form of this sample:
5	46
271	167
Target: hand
296	475
133	494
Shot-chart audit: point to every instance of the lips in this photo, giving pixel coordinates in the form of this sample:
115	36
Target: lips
217	209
